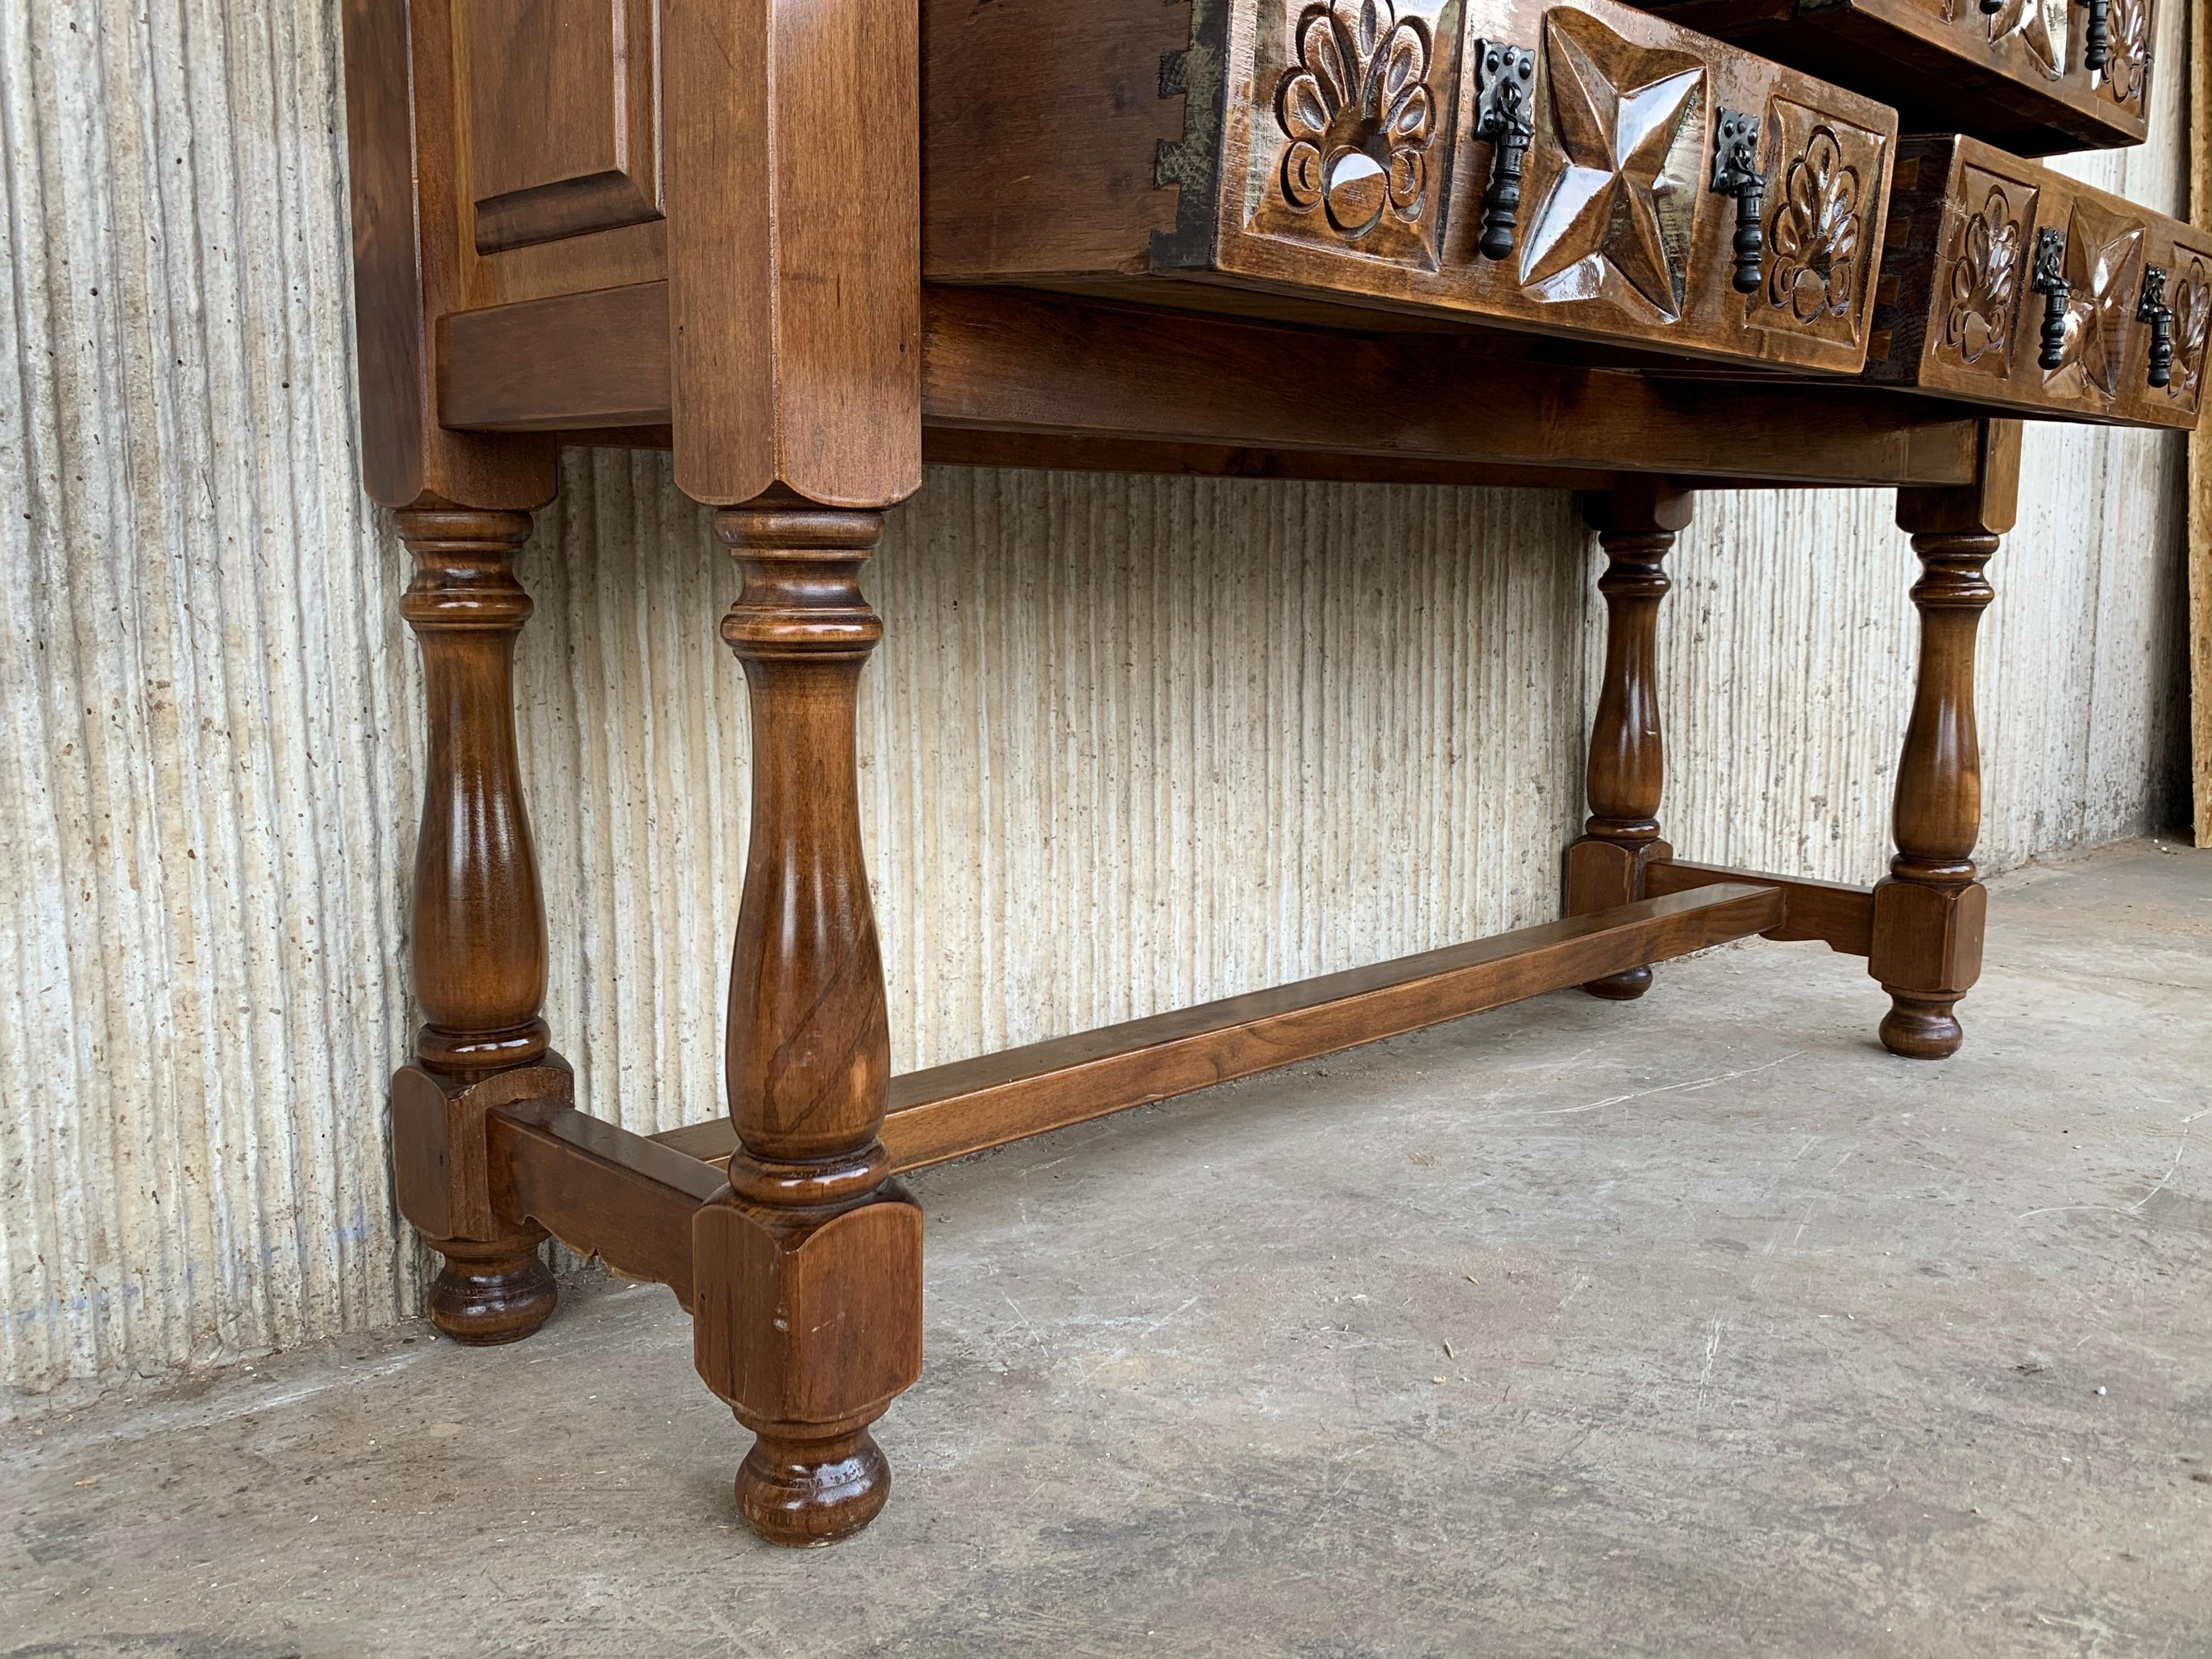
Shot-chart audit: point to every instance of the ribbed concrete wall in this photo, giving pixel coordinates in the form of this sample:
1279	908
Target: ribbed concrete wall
1130	742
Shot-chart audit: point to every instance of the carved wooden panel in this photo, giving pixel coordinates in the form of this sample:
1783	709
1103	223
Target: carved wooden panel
1365	97
1820	248
1982	273
1549	169
2016	74
561	117
1965	315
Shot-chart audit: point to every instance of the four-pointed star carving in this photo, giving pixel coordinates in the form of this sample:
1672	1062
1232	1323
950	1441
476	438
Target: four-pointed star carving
1632	130
2103	269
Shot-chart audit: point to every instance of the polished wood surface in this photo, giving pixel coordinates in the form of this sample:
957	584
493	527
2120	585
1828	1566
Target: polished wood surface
1965	320
794	266
949	1111
818	1251
1833	913
1928	913
571	146
1338	153
2014	72
1625	771
1040	367
477	928
675	224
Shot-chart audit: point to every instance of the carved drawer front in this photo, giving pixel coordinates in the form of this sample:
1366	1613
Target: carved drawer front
2006	284
2038	76
1585	170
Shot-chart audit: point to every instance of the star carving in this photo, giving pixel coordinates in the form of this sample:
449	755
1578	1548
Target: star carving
1629	123
2041	26
2103	268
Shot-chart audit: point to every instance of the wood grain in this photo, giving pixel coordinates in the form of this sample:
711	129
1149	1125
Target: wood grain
600	1189
402	146
1959	319
1938	67
795	248
998	362
562	117
1837	915
947	1111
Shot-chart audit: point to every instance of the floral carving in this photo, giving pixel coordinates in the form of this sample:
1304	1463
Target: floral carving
2193	323
1984	278
2127	57
1359	116
1815	240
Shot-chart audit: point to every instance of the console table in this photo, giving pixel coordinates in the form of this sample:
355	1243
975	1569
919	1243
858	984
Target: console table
808	244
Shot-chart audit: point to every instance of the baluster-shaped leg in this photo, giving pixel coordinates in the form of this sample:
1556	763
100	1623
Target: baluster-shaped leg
478	925
1635	526
1928	914
808	1271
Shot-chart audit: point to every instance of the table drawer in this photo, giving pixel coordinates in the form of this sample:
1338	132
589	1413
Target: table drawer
1963	310
1245	153
2026	75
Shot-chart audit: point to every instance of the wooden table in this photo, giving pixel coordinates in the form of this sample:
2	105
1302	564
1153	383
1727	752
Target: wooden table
732	259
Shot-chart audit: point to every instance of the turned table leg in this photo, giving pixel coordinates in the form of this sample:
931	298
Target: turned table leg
808	1270
1929	912
1635	526
478	928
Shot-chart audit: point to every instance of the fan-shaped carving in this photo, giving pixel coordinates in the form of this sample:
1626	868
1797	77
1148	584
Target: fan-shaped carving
1358	111
2040	26
1985	283
1814	270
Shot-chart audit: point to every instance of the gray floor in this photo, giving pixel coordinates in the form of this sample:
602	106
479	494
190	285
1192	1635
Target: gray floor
1695	1327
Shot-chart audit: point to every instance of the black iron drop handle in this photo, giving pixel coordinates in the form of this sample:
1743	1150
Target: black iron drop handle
2050	281
1504	76
1735	173
2152	308
2097	42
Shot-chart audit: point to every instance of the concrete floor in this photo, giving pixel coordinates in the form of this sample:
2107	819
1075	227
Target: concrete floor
1762	1343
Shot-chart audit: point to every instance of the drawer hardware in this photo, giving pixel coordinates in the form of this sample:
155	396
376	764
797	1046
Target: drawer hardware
1735	173
2050	281
2097	41
2152	308
1505	77
1991	8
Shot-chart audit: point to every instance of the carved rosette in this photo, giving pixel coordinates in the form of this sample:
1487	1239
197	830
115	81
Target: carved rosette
1984	286
1816	232
2127	62
1819	235
1357	111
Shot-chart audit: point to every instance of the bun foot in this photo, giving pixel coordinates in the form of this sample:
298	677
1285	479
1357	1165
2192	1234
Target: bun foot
1921	1028
487	1294
803	1493
1621	987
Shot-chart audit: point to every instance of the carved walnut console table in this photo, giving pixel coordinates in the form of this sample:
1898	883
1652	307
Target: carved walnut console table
808	244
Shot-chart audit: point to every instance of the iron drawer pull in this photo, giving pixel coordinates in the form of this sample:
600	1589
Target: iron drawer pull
2050	281
1503	78
2152	308
1735	173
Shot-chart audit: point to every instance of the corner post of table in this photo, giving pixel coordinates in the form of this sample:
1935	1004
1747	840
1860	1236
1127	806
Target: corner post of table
794	272
1637	524
1929	911
464	501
